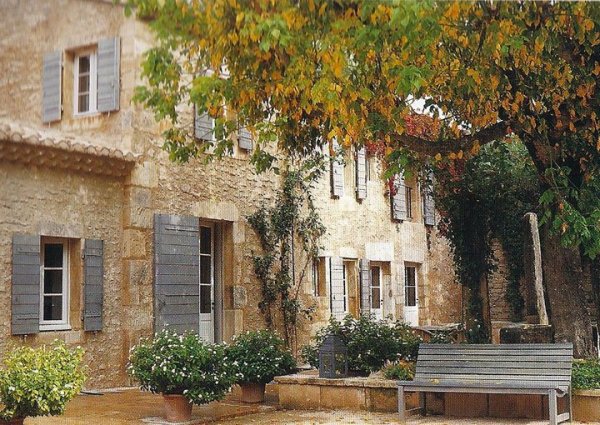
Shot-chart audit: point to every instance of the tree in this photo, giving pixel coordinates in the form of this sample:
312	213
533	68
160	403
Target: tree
302	72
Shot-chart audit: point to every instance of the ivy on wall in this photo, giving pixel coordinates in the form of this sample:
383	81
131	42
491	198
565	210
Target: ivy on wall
289	232
483	199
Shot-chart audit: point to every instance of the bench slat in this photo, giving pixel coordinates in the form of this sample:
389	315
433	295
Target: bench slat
505	352
498	364
563	346
496	371
486	358
479	377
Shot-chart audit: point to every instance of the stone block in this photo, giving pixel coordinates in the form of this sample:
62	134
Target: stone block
382	399
134	244
139	212
466	405
516	406
586	406
299	396
240	297
144	174
350	398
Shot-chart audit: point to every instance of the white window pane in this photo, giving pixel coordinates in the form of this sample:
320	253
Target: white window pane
84	83
84	64
53	255
84	103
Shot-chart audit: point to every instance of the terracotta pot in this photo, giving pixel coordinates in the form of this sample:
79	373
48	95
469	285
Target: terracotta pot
253	392
15	421
177	408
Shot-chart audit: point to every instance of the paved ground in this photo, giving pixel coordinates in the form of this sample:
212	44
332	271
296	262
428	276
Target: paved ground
135	407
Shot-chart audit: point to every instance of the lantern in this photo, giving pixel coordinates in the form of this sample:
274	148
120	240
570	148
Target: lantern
333	358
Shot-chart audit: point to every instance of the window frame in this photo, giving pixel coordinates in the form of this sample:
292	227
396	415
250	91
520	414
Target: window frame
64	323
414	285
93	89
376	268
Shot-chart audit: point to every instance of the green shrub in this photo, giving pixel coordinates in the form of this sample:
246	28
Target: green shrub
370	343
403	371
40	381
259	356
586	374
182	364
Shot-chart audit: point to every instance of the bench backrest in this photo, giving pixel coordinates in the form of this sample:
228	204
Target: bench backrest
536	364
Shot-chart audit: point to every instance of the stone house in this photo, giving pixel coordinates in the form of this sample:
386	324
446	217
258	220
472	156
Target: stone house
103	239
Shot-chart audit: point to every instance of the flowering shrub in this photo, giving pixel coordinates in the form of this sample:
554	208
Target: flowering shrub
259	356
402	370
40	381
370	343
181	364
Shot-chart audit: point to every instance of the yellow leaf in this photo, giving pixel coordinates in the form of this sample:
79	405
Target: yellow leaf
460	154
438	157
453	11
475	149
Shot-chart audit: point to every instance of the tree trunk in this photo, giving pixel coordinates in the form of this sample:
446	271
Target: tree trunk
566	282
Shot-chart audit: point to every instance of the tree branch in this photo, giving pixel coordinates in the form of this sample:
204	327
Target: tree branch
426	147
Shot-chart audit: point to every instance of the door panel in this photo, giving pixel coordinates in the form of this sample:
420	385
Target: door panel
206	312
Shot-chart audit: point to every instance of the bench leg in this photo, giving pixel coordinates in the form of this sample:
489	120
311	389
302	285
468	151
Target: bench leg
552	408
423	403
401	405
570	405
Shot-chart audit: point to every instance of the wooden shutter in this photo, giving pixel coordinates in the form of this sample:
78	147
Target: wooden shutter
52	87
428	201
93	290
203	126
337	293
337	173
108	74
399	198
361	173
365	287
245	139
25	284
176	273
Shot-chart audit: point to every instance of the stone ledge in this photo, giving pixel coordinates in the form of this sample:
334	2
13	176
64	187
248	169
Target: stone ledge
359	382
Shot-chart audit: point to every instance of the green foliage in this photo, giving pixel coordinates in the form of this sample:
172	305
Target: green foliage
40	381
481	200
182	364
259	356
291	222
370	343
400	371
586	374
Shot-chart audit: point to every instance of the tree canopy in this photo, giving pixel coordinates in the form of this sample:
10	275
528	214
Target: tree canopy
300	73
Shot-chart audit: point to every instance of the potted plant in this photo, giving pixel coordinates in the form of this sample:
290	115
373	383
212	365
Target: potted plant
183	369
39	381
258	357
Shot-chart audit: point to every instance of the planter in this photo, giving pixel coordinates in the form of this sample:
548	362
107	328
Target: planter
177	408
253	392
15	421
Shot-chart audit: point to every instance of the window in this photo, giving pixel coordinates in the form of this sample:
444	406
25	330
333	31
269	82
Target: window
410	286
409	202
375	287
315	277
54	282
85	84
206	269
344	286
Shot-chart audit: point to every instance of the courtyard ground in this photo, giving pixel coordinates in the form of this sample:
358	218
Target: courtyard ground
135	407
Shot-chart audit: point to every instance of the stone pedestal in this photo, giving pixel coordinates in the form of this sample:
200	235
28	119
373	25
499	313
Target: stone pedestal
526	334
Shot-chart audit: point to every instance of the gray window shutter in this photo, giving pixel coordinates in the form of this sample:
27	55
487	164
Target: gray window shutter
365	287
337	293
108	74
93	289
176	273
245	139
361	173
337	173
204	126
25	284
52	87
428	201
399	198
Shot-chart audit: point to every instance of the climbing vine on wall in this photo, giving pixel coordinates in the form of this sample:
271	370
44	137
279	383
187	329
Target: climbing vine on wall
483	199
289	232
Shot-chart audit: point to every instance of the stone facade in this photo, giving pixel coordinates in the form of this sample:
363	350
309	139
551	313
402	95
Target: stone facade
42	192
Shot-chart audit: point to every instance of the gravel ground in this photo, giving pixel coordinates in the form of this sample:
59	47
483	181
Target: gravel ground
347	417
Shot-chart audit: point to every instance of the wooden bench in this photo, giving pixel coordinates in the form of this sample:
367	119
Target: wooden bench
493	369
